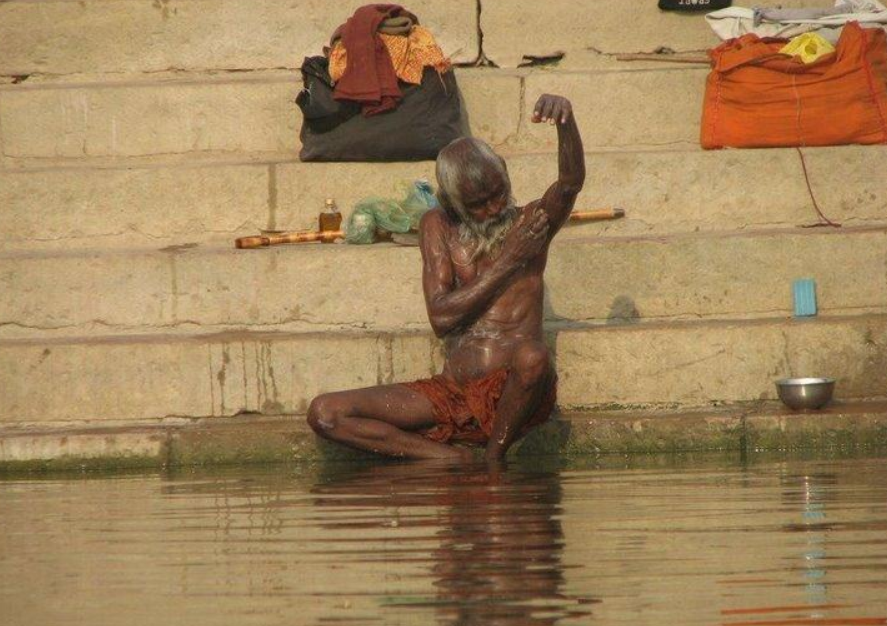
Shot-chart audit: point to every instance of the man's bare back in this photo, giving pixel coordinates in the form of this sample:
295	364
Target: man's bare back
483	261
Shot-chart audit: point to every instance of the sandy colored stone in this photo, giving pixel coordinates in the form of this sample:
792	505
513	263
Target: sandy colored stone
681	191
702	364
241	440
854	354
848	181
195	377
141	206
836	426
744	276
111	36
639	431
513	28
493	101
302	188
314	286
629	109
108	380
281	375
91	290
662	192
332	287
236	115
123	449
669	365
414	356
205	116
258	117
284	439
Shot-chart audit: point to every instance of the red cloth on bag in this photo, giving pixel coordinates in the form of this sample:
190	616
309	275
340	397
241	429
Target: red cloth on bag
758	98
369	77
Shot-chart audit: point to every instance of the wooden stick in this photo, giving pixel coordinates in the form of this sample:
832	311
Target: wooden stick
667	58
263	241
593	216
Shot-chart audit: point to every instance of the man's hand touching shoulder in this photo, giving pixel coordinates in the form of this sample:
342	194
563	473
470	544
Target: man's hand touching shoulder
526	238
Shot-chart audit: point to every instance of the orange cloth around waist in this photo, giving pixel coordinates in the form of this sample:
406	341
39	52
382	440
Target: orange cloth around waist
465	412
409	55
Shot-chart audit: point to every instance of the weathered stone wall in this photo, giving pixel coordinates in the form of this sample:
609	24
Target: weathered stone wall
138	138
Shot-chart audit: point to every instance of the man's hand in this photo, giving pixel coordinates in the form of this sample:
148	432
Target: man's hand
552	109
526	238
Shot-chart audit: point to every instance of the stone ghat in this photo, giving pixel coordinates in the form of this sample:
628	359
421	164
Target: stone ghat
138	139
678	364
164	203
316	287
602	437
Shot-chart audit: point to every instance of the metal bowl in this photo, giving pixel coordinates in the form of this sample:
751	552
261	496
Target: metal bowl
805	393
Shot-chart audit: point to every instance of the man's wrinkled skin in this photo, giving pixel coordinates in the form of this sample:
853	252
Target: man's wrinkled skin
487	307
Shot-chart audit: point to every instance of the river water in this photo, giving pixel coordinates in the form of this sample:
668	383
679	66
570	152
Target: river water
642	540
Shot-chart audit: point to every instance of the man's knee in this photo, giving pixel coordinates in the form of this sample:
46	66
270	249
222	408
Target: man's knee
531	363
324	414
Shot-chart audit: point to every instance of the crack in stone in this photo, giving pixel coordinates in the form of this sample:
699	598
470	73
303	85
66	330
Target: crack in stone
522	103
481	59
135	231
33	80
272	196
785	353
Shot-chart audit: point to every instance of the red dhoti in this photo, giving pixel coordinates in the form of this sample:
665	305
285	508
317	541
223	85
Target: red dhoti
465	411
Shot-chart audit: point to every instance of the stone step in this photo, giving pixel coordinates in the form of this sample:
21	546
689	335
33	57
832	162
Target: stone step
839	428
46	39
642	365
256	115
126	37
601	27
663	192
329	287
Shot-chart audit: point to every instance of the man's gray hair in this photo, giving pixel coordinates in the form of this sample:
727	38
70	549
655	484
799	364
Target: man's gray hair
469	166
471	163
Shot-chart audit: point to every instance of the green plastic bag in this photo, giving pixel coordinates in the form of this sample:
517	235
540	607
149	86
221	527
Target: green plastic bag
372	214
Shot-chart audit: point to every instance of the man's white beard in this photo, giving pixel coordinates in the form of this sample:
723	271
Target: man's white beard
488	235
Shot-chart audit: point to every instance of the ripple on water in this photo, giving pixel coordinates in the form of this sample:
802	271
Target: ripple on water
790	542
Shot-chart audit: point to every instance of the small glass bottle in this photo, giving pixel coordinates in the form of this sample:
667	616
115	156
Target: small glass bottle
330	219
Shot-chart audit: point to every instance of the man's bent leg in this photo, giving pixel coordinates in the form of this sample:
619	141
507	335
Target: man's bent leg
379	419
528	379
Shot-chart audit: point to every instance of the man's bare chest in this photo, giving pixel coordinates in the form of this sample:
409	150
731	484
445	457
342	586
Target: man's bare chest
467	269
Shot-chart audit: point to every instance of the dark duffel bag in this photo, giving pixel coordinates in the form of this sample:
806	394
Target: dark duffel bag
693	5
427	118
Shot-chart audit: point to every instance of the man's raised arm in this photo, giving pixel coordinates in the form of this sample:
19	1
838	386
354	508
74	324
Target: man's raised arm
558	201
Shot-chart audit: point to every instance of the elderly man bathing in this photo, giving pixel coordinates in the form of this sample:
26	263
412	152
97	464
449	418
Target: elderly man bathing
482	265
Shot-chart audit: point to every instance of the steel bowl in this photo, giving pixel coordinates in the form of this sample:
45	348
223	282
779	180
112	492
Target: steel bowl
805	393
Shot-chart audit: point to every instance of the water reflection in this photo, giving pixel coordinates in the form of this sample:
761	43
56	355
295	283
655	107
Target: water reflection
500	538
807	496
786	542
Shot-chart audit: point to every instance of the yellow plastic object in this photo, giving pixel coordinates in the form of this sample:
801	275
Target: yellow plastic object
809	46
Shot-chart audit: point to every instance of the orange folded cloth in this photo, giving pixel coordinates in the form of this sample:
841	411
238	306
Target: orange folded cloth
410	55
756	97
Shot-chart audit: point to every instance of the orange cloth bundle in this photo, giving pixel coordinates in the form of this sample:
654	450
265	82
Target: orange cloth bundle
758	98
410	55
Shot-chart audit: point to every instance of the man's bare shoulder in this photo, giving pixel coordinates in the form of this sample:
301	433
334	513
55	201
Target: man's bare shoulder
434	222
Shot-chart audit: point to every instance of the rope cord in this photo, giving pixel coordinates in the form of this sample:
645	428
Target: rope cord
823	220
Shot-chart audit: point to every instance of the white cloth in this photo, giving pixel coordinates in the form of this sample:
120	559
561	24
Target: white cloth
737	21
